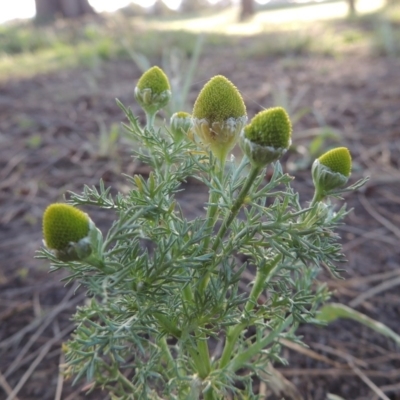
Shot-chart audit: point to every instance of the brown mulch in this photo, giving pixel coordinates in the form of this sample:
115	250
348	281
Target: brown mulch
49	127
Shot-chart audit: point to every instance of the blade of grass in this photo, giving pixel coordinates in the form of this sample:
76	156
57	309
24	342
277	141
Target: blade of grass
333	311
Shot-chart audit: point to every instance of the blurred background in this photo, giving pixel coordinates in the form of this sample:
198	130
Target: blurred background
333	64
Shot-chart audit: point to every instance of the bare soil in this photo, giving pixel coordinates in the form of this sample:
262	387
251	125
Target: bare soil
49	128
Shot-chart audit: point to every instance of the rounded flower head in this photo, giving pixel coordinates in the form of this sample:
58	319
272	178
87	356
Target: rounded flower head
64	227
218	101
180	124
219	115
154	79
337	160
153	90
267	137
331	170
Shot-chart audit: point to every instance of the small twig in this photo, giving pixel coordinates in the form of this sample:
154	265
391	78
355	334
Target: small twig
371	211
60	379
37	361
391	388
374	291
393	374
74	395
376	234
37	308
310	353
6	387
13	162
280	386
9	312
46	322
340	354
366	279
25	289
368	381
38	321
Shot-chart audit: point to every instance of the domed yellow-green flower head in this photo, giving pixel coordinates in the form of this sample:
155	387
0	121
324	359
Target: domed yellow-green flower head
337	160
267	137
219	115
180	124
331	171
218	101
154	79
181	115
153	90
64	224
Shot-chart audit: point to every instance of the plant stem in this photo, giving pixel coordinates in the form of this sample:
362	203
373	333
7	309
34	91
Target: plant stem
264	275
150	116
187	293
201	358
212	211
164	347
125	381
202	343
202	348
229	218
236	206
241	359
209	395
318	196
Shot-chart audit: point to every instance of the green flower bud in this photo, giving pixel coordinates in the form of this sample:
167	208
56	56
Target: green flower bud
331	170
153	90
180	124
337	160
219	115
267	137
66	231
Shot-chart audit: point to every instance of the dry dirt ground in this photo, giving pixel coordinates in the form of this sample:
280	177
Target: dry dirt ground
49	128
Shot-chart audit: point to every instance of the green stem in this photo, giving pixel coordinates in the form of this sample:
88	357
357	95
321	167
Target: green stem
202	348
212	211
306	218
125	381
229	218
263	276
201	358
236	206
209	395
150	116
164	347
187	294
168	325
194	389
241	359
318	196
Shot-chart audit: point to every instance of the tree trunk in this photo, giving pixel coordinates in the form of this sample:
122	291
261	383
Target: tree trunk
47	10
193	5
352	7
246	9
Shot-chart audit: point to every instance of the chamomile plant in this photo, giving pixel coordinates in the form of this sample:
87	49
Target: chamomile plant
165	317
